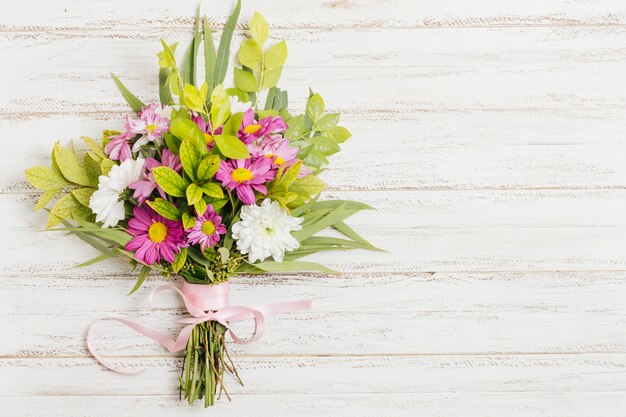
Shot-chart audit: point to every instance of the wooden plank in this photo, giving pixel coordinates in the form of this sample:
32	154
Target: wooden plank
478	246
328	375
440	150
366	314
40	15
501	69
511	404
535	404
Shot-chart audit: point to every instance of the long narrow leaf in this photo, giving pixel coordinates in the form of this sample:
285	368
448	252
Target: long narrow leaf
191	56
223	50
130	98
327	221
165	94
209	56
145	270
95	260
336	243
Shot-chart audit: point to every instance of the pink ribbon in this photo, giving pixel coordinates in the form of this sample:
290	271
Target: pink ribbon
204	303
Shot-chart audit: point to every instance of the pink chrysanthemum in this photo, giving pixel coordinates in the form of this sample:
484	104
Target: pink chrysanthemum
118	149
277	148
251	129
155	237
207	129
145	186
245	176
151	125
207	229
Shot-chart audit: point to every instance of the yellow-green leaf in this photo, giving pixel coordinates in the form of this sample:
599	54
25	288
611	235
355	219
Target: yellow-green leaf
200	207
63	209
190	157
194	194
106	165
45	198
172	183
220	106
271	77
276	55
188	221
307	186
213	190
258	28
245	80
251	55
231	147
166	57
165	208
315	107
181	258
194	98
83	195
208	167
70	167
45	178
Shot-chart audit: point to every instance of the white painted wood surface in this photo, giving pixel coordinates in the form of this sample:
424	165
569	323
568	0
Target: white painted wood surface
489	135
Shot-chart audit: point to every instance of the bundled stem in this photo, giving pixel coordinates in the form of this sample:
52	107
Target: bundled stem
204	365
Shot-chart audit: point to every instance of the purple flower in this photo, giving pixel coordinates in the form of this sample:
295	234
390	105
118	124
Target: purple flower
155	237
245	176
145	186
118	149
151	125
251	129
207	229
277	149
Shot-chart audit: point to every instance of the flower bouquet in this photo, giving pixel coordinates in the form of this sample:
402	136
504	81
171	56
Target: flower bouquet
205	185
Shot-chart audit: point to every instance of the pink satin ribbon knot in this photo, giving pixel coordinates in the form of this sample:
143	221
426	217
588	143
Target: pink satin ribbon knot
204	303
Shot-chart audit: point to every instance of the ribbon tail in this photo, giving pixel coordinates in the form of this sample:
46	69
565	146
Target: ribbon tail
162	339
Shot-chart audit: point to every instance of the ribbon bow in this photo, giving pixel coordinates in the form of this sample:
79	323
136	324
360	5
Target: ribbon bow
204	303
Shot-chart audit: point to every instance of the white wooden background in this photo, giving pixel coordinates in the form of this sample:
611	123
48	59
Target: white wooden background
490	136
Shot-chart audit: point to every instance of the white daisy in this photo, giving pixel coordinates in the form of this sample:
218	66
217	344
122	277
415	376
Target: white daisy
237	106
265	231
107	202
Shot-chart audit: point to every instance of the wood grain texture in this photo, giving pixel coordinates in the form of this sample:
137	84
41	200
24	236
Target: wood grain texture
488	135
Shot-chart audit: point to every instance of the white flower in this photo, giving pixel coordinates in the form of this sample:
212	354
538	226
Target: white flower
237	106
107	201
265	231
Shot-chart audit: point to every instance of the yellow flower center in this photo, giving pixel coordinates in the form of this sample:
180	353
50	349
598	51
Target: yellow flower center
250	129
152	128
278	160
208	138
208	228
157	232
241	174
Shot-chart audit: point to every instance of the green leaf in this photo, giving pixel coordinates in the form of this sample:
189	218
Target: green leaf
251	55
173	143
223	51
94	146
194	98
233	124
165	94
326	122
185	129
271	77
106	165
276	56
188	220
190	157
315	107
45	198
64	208
194	194
200	207
209	55
208	167
71	168
245	80
292	266
166	57
145	270
83	195
325	145
181	258
231	147
307	186
95	260
258	28
297	127
331	218
165	208
213	190
220	106
130	98
339	134
172	183
91	164
45	178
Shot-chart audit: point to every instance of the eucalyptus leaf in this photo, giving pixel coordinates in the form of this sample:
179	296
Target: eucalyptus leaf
223	51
